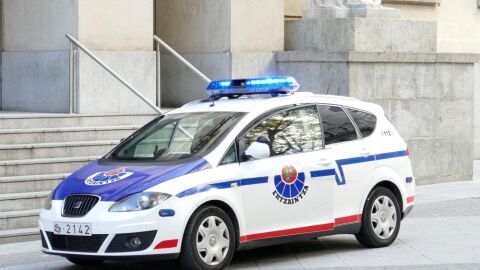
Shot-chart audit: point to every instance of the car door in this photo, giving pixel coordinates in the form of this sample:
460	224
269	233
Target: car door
280	197
352	157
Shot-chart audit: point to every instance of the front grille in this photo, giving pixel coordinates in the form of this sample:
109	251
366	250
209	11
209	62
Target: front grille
76	243
78	205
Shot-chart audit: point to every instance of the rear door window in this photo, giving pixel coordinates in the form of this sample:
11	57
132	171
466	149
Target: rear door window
366	122
336	125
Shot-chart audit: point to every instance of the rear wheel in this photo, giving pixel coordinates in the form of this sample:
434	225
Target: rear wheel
380	220
209	240
84	262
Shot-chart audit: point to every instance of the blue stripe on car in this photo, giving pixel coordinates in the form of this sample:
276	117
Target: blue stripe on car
313	174
224	185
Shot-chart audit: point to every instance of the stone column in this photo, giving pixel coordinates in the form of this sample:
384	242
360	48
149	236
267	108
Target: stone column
35	66
224	39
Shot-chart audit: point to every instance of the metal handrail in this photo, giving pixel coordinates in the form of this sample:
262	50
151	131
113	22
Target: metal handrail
181	58
107	68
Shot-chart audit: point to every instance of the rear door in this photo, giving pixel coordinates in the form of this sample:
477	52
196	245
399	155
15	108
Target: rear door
352	157
280	197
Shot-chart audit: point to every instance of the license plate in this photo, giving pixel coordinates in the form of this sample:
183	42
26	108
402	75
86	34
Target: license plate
72	229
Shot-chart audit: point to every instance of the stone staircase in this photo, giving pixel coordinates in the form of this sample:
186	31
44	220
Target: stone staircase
37	151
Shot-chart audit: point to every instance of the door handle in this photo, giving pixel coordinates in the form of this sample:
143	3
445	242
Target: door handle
365	153
324	162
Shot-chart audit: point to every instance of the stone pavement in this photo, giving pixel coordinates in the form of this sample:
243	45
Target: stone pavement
443	232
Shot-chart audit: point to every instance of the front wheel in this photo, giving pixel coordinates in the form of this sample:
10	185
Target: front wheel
380	220
209	240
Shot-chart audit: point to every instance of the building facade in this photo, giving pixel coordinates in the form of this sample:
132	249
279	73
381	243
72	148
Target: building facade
415	57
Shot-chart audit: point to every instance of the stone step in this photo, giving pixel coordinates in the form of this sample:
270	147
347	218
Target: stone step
52	150
30	183
19	219
19	235
29	120
22	201
42	166
69	134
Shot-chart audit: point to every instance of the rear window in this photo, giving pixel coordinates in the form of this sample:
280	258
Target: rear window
336	125
366	122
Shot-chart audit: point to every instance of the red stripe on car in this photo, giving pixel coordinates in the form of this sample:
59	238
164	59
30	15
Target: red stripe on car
167	244
347	220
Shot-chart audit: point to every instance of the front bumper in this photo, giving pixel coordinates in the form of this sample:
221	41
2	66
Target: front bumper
112	232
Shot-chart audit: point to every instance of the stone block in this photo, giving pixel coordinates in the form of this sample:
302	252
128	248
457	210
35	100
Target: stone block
30	25
181	85
456	119
463	80
476	113
383	83
322	78
207	26
266	17
460	161
99	92
404	81
426	83
360	34
428	158
247	65
35	81
416	118
361	83
298	37
115	24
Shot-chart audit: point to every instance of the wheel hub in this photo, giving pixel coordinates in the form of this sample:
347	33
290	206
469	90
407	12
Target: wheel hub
213	240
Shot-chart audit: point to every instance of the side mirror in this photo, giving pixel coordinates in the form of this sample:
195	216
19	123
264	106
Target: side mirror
258	150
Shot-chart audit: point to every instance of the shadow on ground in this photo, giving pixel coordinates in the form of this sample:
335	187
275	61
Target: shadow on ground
249	258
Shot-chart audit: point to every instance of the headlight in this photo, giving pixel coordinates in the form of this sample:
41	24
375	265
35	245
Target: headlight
139	201
47	202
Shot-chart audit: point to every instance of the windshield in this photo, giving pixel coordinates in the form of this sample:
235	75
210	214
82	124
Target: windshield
177	136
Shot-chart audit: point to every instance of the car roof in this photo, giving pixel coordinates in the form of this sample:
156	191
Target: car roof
260	103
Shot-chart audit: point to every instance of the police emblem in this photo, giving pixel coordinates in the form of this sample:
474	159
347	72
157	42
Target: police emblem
290	186
109	177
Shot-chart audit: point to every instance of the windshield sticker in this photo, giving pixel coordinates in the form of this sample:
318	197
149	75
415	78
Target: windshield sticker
109	177
290	186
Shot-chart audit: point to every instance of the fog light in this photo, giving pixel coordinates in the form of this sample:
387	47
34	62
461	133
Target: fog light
134	242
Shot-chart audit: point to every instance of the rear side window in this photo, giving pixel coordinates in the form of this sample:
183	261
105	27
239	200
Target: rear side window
366	122
336	125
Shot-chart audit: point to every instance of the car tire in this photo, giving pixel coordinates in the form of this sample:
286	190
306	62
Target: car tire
380	220
209	241
84	262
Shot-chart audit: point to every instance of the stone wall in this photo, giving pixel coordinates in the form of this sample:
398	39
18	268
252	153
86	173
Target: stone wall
428	97
458	21
222	38
181	85
35	68
476	119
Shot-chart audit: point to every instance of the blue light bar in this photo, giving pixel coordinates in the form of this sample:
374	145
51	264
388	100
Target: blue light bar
267	85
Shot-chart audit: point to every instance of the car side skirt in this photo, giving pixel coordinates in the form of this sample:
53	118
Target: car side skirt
351	228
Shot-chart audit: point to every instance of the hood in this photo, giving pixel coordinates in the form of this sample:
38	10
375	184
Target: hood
113	182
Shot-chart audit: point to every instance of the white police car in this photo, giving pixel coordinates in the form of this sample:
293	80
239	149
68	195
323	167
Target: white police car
236	171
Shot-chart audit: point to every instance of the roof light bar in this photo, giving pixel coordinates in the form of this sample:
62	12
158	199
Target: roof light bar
267	85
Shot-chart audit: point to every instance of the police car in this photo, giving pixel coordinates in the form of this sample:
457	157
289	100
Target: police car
256	164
